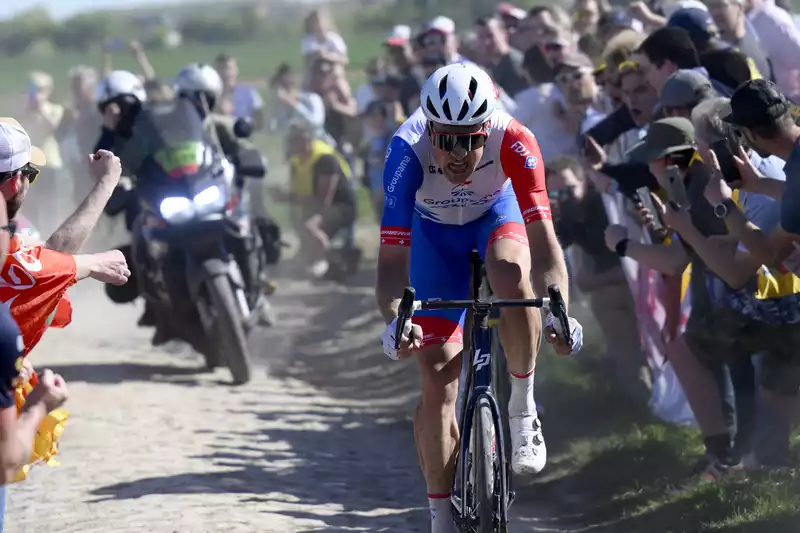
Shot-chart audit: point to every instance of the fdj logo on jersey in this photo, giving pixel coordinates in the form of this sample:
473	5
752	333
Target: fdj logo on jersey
519	148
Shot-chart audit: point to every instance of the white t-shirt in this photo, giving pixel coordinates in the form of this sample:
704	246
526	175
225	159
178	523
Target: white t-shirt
246	101
535	109
364	96
332	42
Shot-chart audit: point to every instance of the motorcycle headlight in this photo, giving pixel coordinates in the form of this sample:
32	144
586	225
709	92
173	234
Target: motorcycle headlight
177	209
209	199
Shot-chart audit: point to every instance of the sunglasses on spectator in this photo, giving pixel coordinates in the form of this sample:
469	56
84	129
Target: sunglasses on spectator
433	40
554	46
627	65
570	76
449	141
29	171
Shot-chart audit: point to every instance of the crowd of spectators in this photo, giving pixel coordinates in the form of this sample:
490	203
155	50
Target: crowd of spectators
669	142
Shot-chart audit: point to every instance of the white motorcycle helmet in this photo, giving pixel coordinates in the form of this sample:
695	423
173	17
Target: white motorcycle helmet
195	79
118	85
459	95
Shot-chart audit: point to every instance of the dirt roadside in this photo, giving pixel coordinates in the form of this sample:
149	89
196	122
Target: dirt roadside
321	443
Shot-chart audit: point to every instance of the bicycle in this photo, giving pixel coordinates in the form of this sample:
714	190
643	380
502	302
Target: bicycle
481	494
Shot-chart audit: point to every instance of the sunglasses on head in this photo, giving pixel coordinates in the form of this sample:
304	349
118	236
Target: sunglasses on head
449	141
29	171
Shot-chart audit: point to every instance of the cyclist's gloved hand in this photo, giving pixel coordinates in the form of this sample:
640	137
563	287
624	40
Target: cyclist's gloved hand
411	339
555	337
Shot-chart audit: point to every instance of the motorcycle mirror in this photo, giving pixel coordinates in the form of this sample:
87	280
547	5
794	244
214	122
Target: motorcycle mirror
243	128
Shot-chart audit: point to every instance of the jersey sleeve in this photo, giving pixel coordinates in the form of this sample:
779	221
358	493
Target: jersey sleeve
522	163
402	177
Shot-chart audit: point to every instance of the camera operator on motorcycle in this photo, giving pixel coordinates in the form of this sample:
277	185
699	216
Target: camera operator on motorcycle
139	132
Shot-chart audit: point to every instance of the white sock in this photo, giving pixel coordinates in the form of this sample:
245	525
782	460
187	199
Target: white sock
521	402
441	513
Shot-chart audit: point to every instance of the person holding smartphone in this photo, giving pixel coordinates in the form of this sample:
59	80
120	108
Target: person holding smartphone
670	149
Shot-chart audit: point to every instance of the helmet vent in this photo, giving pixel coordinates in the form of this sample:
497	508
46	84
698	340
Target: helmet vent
463	112
443	87
481	110
431	109
446	109
473	88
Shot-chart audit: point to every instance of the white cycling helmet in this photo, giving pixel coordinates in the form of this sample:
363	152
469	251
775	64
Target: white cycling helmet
199	78
117	84
459	95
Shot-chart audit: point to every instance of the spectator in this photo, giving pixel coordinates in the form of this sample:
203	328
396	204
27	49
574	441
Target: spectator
616	21
401	60
365	93
244	101
683	91
731	21
294	105
763	115
42	118
340	106
504	63
428	65
439	39
731	67
671	141
667	50
79	127
586	15
321	39
387	92
575	79
580	219
511	16
780	40
639	96
381	128
534	30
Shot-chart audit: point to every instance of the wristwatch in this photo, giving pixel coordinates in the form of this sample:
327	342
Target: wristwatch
622	247
721	210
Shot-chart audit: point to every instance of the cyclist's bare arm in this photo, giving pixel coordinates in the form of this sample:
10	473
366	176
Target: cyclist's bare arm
547	259
393	264
522	163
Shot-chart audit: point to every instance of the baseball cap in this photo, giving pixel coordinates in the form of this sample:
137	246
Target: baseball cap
756	103
441	24
664	137
574	60
697	22
685	88
504	9
16	149
399	35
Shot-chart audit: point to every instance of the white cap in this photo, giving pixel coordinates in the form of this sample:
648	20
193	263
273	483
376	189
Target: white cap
510	10
442	25
399	35
671	7
16	149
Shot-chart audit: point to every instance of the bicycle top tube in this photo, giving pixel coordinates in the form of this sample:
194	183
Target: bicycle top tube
469	304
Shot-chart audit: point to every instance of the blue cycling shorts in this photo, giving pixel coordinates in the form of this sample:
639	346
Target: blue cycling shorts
440	262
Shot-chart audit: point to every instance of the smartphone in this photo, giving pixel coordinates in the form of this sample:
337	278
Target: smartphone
722	149
643	193
676	189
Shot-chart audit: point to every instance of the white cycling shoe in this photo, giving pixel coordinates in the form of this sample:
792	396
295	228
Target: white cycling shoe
529	453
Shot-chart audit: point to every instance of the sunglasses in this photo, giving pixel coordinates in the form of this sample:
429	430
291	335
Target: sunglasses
29	171
433	40
553	47
449	141
568	77
11	228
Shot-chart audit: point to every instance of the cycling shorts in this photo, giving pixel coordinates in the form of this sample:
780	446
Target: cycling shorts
440	262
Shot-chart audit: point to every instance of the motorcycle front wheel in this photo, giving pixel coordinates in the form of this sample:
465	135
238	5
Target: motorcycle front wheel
231	340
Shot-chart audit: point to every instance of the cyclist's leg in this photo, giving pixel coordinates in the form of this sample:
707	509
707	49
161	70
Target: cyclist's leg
440	268
504	241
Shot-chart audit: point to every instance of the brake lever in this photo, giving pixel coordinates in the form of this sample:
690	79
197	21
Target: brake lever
404	312
559	310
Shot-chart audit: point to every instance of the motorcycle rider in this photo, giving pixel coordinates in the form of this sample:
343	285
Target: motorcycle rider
135	135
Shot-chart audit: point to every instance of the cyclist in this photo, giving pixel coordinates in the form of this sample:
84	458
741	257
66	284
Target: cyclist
462	175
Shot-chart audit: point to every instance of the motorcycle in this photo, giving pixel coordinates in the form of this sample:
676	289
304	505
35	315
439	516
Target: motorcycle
200	259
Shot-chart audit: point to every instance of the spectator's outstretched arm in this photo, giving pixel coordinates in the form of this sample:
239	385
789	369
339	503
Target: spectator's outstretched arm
142	60
73	233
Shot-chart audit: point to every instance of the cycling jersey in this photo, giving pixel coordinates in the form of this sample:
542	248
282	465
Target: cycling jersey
443	222
414	183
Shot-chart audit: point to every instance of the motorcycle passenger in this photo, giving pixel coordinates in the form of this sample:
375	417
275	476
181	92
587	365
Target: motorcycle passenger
325	201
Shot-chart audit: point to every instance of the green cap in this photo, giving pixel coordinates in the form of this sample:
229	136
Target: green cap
664	137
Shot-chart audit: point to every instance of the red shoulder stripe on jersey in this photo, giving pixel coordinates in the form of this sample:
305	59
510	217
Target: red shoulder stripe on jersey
396	236
522	163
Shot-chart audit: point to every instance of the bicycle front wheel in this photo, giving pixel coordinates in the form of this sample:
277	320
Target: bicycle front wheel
483	459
